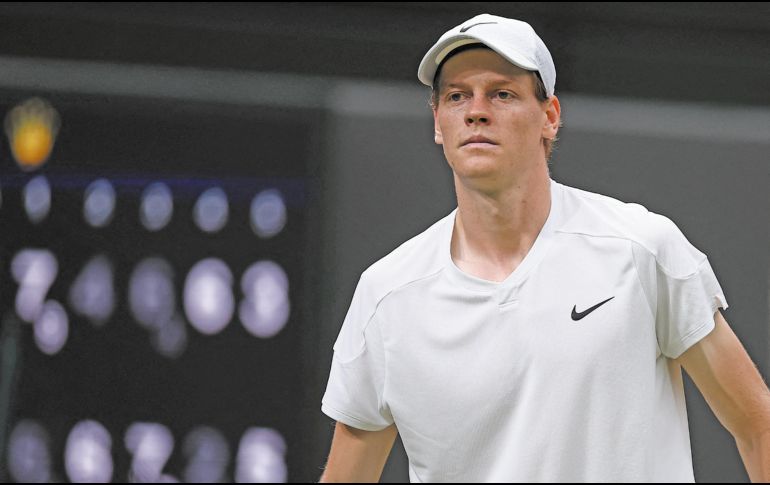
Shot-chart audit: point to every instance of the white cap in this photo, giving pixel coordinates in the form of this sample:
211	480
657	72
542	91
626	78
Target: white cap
513	39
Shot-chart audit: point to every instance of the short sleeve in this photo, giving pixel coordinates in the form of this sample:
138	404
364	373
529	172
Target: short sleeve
354	393
681	287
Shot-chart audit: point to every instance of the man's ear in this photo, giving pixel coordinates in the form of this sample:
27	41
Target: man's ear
437	137
553	118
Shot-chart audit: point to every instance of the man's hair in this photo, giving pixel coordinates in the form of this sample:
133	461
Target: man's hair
540	93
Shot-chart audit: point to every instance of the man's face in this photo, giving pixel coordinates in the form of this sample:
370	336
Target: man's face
489	121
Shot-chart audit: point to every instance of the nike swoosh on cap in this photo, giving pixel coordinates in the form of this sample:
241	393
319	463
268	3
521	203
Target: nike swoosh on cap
466	28
579	315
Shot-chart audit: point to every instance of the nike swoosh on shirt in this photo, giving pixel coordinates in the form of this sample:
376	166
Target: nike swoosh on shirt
465	29
579	315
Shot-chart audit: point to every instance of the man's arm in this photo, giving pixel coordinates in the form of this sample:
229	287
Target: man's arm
729	381
357	455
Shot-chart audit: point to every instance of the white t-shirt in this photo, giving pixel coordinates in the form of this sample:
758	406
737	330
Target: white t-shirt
524	380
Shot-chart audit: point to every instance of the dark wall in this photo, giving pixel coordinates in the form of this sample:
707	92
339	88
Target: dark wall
715	52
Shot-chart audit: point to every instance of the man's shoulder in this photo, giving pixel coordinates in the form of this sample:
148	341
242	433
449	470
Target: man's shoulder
417	258
600	215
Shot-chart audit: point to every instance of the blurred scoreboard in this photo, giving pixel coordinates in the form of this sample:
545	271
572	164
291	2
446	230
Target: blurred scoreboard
151	293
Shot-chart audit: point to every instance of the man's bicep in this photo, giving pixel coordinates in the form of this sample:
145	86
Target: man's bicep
357	455
728	379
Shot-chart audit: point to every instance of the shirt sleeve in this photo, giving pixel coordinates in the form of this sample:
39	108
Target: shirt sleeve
681	288
354	393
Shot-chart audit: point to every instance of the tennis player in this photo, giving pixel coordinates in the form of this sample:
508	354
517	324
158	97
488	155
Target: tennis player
538	332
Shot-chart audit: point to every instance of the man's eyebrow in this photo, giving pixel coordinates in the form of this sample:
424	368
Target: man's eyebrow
451	85
493	83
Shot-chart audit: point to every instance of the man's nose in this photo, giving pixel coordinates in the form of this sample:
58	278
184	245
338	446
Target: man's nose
478	111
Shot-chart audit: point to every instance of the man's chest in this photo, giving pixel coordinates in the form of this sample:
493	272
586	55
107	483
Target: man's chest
572	321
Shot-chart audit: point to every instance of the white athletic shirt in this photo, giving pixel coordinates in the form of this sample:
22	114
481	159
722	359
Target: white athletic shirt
499	382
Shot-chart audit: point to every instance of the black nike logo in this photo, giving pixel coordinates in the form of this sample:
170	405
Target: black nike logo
464	29
578	315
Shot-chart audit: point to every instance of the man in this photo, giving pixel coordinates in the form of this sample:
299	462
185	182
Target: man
537	333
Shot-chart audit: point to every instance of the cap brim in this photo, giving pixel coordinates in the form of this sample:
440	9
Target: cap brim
427	70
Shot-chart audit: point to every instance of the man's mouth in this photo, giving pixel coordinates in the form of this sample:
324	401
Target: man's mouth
478	140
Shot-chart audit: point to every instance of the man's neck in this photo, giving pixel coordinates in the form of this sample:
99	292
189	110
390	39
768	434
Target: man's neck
493	233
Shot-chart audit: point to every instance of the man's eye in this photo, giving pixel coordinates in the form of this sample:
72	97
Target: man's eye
454	97
504	95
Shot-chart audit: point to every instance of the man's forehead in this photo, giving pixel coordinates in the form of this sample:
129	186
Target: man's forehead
481	59
482	64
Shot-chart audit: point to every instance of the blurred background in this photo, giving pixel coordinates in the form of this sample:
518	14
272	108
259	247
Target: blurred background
189	193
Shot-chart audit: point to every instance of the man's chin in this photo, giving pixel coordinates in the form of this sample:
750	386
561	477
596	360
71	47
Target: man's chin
484	181
478	166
